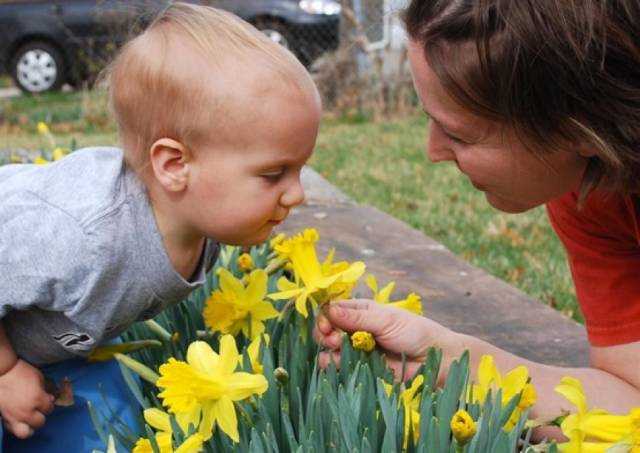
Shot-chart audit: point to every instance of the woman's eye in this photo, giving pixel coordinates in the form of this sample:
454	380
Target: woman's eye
273	175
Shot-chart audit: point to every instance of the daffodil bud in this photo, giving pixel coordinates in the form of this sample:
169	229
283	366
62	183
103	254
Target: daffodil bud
245	262
281	375
363	341
463	427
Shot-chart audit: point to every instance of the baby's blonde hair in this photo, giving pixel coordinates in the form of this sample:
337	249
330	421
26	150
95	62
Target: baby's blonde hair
153	97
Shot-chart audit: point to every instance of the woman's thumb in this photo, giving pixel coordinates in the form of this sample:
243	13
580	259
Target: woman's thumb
351	319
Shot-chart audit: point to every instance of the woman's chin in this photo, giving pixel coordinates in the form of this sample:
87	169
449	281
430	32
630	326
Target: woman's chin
509	206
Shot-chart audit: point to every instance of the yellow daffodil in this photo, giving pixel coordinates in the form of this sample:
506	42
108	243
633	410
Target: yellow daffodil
363	341
596	430
463	427
277	239
43	128
203	389
412	303
514	382
192	444
317	282
245	263
410	400
58	153
234	307
159	420
253	350
40	161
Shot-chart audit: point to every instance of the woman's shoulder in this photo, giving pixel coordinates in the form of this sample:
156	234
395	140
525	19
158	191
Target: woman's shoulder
603	216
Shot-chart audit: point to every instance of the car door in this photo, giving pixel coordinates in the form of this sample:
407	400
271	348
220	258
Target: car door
95	29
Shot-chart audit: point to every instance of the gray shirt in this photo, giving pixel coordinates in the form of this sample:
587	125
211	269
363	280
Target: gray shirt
81	257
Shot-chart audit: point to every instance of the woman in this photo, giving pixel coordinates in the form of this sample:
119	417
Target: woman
536	102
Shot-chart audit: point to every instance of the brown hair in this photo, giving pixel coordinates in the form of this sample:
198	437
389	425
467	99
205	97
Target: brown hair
557	71
153	96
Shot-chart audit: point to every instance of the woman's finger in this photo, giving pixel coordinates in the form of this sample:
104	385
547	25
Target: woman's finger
331	341
350	318
326	357
323	324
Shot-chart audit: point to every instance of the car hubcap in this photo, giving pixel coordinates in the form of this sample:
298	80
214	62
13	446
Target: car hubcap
37	70
276	36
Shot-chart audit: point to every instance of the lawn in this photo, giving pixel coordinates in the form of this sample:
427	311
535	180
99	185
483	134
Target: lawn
380	164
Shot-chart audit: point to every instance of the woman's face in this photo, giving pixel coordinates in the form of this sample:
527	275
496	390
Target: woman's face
490	155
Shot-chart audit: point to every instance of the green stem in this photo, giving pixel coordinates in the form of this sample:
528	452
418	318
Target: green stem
157	329
141	370
274	265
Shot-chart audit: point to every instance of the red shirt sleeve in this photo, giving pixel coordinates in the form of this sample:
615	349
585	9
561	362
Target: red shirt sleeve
603	245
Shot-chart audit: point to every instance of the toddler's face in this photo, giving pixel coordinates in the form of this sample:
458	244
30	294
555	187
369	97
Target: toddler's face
246	183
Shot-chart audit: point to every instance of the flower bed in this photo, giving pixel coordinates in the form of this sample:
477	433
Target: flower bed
234	368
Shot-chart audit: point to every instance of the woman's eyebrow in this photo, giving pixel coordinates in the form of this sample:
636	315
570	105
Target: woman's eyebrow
455	129
444	124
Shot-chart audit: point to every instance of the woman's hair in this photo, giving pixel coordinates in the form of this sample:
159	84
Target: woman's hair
557	71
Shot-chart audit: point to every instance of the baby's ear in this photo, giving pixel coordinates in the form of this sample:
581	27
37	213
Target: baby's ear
170	164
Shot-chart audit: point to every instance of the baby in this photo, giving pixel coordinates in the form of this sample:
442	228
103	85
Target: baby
215	122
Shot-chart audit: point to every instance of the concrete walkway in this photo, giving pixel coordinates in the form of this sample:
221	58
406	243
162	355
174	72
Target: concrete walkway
455	293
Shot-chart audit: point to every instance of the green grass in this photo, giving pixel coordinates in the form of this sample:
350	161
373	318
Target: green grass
382	165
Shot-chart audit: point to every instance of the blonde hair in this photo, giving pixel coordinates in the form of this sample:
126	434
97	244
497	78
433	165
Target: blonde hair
153	96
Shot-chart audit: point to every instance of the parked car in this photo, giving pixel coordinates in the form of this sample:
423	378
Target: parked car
45	44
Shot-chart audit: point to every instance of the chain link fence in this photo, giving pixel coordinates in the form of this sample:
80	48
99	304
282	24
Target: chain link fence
368	74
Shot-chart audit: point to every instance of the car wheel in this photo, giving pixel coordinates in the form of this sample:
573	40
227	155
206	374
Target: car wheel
38	67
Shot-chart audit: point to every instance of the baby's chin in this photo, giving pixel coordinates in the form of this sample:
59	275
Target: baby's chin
257	239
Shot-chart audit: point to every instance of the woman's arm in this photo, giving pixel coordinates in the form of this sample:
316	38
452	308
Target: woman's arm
612	383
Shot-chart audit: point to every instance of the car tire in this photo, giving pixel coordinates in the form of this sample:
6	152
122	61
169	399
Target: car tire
38	67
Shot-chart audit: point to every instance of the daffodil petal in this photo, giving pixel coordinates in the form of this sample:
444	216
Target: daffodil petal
208	419
192	444
385	293
263	310
229	356
257	287
301	304
354	272
372	283
244	385
157	419
225	413
201	357
228	283
571	389
514	381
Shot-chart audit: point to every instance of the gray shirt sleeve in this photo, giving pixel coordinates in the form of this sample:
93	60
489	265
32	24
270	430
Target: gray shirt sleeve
42	264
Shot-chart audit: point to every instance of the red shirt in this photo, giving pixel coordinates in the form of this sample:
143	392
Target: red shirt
603	246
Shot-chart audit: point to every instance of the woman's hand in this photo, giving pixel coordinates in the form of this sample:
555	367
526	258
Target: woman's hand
395	330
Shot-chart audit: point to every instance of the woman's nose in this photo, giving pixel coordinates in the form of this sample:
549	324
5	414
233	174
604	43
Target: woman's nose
437	148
